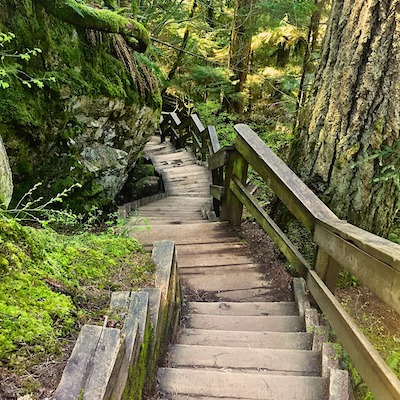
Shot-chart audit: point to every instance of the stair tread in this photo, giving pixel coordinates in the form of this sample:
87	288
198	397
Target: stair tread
243	308
246	323
236	385
276	361
282	340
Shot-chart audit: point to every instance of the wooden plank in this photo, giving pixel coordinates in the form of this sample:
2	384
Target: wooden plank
217	192
219	159
267	340
382	382
105	365
232	207
327	269
297	197
224	384
269	226
213	139
243	308
381	278
164	257
380	248
196	123
272	361
75	373
175	119
138	313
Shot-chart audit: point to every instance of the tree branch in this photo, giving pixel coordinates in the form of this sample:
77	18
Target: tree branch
79	14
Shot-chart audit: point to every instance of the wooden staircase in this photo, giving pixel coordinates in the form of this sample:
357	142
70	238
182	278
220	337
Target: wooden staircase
242	344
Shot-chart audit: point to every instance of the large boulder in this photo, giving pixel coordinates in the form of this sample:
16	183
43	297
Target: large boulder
90	121
6	185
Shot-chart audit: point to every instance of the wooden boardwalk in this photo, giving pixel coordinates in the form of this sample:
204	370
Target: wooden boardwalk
241	344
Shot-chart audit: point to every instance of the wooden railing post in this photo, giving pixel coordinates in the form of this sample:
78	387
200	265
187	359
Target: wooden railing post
327	269
232	207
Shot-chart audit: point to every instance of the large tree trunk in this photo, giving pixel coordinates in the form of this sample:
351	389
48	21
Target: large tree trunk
354	114
240	48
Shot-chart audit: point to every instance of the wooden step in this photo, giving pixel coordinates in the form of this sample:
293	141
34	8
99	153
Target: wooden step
233	385
203	260
248	323
268	340
189	233
213	248
267	361
253	308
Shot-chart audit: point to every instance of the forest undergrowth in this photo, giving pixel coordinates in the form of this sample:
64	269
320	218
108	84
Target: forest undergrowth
52	284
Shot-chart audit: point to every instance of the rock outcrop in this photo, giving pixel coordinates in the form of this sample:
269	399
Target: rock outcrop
90	121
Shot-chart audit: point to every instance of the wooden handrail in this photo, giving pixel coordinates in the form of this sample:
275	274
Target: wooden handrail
372	259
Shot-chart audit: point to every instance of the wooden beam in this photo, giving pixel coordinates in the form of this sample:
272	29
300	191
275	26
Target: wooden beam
219	159
217	192
196	123
380	248
382	382
327	269
270	227
297	197
381	278
176	120
213	139
232	207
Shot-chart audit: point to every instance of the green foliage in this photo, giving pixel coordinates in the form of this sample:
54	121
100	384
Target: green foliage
213	113
43	276
9	69
296	12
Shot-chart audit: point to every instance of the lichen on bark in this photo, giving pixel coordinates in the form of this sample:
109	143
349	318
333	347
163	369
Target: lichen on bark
80	14
354	113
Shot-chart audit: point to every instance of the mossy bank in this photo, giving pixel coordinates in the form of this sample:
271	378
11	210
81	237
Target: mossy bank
90	121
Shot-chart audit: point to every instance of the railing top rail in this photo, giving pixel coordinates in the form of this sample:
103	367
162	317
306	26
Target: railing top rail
293	192
302	202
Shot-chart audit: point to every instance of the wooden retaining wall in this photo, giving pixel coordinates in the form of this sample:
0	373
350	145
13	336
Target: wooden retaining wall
120	363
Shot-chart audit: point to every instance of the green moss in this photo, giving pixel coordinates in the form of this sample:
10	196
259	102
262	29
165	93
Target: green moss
41	273
137	377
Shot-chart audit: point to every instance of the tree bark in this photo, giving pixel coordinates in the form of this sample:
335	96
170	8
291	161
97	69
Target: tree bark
79	14
240	48
354	115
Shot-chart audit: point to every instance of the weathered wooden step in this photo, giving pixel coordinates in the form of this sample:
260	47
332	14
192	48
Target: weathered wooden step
212	248
250	308
268	340
202	260
197	382
248	323
267	361
174	201
143	221
189	233
191	171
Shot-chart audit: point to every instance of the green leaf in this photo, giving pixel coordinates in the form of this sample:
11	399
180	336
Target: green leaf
4	85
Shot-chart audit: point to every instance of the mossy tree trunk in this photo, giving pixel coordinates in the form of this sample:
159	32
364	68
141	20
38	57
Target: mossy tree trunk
79	14
348	132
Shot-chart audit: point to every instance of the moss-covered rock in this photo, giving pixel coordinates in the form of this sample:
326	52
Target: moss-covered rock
91	123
